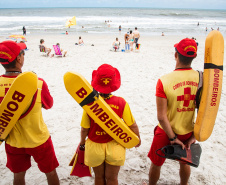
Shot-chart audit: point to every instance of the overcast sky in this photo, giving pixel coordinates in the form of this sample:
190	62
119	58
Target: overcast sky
194	4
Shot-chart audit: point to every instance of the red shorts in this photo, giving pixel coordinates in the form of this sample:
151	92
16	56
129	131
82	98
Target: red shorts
160	140
19	159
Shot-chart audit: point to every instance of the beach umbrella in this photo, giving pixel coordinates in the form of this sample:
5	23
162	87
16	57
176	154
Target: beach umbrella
71	22
17	38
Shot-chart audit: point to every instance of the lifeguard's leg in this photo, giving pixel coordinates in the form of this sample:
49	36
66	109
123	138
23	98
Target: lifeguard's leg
100	174
19	178
154	174
52	178
111	174
185	172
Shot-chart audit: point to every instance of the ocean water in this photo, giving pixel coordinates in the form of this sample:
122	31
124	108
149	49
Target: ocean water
93	20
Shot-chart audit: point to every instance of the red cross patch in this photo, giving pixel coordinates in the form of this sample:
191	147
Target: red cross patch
187	97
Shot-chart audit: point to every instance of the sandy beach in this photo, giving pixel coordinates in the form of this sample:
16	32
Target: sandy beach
139	74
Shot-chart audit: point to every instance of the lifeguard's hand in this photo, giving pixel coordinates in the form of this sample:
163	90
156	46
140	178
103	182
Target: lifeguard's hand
190	141
179	142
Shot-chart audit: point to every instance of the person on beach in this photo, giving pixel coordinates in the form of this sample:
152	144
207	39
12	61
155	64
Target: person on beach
24	30
126	36
80	41
116	44
120	28
64	52
136	35
131	40
100	148
127	46
47	50
175	125
30	135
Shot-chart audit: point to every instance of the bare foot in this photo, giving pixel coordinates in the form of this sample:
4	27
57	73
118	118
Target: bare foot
144	182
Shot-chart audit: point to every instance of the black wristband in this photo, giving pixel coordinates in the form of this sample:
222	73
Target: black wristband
82	147
172	139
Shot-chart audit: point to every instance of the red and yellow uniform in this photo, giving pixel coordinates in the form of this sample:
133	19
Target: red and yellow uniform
99	140
179	88
29	132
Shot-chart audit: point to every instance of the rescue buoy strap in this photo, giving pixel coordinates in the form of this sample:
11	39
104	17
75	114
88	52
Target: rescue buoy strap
212	66
90	98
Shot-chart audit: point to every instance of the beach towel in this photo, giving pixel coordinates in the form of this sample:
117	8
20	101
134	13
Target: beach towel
57	50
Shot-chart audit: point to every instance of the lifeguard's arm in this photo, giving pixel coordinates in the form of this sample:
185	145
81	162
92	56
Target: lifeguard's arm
46	98
135	129
84	134
85	125
163	120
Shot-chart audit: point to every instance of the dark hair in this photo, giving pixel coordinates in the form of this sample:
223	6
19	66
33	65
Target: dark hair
41	41
105	96
8	66
184	60
131	31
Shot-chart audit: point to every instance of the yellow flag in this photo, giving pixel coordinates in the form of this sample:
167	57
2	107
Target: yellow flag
71	22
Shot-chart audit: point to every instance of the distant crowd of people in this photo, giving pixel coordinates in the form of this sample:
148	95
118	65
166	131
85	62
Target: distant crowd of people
130	38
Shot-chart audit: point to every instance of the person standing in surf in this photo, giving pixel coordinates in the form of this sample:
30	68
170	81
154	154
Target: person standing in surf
24	30
30	136
100	148
175	99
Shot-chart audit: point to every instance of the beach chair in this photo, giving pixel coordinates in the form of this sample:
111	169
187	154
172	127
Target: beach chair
57	51
42	50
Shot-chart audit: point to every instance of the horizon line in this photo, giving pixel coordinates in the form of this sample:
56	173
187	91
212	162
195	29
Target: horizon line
115	7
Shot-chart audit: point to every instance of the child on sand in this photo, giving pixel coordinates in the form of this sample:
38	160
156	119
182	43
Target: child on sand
116	44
